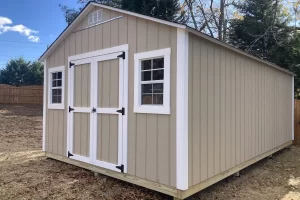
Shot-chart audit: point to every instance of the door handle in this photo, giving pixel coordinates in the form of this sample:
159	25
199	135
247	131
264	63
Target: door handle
94	110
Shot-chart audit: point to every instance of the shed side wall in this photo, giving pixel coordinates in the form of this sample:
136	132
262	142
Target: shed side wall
151	138
239	108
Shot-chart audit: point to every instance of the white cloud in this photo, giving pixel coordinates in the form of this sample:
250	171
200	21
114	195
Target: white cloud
23	30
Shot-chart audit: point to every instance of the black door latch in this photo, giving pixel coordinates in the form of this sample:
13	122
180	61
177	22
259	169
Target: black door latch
94	110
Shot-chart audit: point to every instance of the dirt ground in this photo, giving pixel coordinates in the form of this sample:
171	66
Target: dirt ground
26	174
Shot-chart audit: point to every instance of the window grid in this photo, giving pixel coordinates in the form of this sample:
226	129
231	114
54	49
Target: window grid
56	88
159	95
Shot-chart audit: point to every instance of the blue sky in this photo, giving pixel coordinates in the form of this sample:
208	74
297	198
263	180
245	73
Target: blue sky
27	27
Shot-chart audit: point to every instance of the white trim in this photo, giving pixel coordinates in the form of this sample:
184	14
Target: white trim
99	23
45	105
182	111
125	117
106	165
99	52
293	108
59	106
82	110
152	109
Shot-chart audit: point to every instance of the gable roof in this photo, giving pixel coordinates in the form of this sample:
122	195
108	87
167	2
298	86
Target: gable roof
88	8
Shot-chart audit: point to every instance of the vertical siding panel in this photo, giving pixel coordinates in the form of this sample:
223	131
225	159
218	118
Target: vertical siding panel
163	151
232	111
106	31
47	112
50	130
210	114
67	54
204	114
114	30
223	110
173	44
99	37
152	36
228	113
123	30
141	118
243	106
217	62
78	36
85	41
92	38
62	119
151	151
195	74
246	138
238	111
132	134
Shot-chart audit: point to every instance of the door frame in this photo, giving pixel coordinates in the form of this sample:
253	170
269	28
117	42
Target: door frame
124	142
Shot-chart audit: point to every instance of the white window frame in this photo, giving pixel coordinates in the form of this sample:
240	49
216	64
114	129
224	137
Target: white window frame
152	109
59	106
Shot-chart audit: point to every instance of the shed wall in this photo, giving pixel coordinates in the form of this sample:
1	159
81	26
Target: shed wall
151	138
239	108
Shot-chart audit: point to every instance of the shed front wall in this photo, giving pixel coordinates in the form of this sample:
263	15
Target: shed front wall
239	109
151	137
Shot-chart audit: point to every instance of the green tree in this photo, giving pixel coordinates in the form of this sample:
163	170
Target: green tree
19	72
262	31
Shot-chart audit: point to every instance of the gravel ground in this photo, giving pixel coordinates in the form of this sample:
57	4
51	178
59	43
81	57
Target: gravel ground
26	174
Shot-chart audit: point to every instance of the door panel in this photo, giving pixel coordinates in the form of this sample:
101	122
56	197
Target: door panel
82	85
108	84
81	134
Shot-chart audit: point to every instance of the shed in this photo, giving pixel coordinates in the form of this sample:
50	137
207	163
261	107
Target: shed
158	104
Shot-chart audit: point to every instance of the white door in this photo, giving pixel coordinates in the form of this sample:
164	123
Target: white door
105	113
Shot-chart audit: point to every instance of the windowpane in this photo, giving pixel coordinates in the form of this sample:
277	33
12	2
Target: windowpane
158	63
59	75
146	64
54	84
146	99
158	99
158	74
158	88
54	98
54	76
58	83
146	76
59	99
54	92
147	88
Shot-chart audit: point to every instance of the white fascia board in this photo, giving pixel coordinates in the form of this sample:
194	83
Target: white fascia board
182	111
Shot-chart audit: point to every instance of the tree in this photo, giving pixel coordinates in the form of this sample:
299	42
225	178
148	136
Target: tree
19	72
162	9
262	31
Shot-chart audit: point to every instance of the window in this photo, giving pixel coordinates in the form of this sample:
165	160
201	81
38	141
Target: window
56	88
152	82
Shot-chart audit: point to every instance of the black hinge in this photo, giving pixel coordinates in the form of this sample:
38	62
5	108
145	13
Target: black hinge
71	64
122	55
71	109
69	154
122	111
121	168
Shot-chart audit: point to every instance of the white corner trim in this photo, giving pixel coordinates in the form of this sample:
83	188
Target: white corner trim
152	109
44	105
60	106
293	109
182	111
102	52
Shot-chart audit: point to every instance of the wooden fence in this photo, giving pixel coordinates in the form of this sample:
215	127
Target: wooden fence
21	95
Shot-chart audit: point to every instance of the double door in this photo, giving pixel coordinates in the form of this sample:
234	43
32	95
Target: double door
96	111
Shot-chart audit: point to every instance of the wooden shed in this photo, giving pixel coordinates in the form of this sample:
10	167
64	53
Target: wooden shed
159	104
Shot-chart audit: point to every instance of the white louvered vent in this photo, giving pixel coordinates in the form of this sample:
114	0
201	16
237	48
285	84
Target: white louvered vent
95	17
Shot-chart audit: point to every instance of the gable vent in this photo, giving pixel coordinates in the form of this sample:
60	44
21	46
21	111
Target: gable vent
95	17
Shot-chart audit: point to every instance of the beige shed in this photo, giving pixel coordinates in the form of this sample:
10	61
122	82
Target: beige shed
159	104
